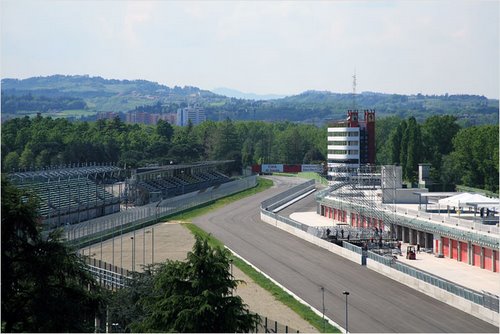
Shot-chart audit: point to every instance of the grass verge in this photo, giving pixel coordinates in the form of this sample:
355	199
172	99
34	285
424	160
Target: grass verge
302	310
262	184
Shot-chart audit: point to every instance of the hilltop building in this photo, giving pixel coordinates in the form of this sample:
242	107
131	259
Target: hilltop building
195	114
351	143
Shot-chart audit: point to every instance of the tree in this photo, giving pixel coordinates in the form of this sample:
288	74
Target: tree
384	132
476	150
193	296
403	151
437	134
164	130
414	150
27	159
11	161
45	285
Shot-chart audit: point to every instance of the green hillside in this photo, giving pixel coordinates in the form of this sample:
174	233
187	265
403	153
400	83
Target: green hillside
57	96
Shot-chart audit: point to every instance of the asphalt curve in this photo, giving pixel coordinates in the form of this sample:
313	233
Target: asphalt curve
376	304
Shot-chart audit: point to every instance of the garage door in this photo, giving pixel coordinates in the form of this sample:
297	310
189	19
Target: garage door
477	256
454	249
463	252
487	258
496	262
446	247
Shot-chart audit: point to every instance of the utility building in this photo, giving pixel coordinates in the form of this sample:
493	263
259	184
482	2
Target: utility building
351	143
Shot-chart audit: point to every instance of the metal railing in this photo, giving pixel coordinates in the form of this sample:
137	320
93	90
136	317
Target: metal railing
421	223
140	216
444	218
484	299
106	274
352	248
267	325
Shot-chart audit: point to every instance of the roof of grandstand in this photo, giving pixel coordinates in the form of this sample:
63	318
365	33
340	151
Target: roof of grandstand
64	172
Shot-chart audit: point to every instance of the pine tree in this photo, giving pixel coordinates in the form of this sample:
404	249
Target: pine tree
194	296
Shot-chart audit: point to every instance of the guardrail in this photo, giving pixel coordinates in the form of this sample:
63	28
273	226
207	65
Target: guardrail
127	220
484	299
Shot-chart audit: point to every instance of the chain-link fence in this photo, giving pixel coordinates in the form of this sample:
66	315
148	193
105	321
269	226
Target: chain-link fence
137	217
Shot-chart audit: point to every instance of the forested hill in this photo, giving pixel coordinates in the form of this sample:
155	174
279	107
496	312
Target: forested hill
84	86
82	95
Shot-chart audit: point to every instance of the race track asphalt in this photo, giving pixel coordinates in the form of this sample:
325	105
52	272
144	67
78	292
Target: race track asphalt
376	303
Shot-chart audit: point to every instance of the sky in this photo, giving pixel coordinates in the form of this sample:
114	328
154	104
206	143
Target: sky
272	47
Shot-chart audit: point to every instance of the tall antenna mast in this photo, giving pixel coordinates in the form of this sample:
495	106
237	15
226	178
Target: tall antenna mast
354	90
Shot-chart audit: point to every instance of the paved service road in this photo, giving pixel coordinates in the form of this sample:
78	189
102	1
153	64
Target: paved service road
376	303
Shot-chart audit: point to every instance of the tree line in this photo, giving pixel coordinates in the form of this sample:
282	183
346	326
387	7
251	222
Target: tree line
42	141
12	104
467	156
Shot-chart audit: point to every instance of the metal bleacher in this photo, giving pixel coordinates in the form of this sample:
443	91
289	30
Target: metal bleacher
183	183
64	191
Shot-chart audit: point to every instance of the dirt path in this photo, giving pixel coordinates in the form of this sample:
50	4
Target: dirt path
173	241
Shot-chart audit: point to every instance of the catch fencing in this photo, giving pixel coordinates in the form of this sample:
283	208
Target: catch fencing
486	300
133	218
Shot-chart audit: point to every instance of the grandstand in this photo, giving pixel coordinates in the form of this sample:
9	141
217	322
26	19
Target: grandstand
151	184
72	194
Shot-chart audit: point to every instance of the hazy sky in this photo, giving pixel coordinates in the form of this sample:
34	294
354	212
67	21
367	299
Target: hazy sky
409	47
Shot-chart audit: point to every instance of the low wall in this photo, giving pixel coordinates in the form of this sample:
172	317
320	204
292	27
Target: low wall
350	255
435	292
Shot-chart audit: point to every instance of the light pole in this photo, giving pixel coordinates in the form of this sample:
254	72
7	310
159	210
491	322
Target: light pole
152	245
133	253
147	232
346	293
323	303
182	173
231	271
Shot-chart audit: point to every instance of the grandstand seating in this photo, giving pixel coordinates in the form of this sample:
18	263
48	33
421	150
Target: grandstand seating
68	195
182	183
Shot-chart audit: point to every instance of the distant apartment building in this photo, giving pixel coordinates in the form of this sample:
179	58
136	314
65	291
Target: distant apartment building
195	114
351	143
140	117
170	117
108	115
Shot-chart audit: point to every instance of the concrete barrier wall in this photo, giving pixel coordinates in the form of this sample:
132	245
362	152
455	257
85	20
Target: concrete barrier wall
435	292
350	255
